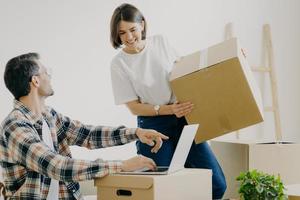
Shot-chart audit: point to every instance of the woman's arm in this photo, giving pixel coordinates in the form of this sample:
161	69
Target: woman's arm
143	109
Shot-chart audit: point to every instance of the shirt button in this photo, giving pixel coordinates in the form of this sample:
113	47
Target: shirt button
73	190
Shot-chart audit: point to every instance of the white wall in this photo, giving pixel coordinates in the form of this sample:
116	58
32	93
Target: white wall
72	37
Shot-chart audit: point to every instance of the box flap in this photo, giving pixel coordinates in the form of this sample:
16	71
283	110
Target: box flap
125	181
186	65
252	141
205	58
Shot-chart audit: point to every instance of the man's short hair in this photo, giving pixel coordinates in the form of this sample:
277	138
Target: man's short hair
18	73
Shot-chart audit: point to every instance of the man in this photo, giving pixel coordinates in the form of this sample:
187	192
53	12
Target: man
35	139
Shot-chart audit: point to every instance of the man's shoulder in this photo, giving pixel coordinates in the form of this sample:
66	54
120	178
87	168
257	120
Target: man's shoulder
15	116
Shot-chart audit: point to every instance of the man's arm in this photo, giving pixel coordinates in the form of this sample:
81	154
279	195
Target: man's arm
26	149
91	137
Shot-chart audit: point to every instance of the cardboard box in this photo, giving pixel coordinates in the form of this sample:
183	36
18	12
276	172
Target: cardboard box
188	184
293	191
220	83
293	197
237	156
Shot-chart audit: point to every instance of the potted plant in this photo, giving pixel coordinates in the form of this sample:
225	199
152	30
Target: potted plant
257	185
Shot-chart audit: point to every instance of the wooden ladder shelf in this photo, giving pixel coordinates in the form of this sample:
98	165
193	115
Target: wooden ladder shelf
272	75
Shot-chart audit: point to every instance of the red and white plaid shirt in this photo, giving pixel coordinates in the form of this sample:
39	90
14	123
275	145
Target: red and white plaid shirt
29	164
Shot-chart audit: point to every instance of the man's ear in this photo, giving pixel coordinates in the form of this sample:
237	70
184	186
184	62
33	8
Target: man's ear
143	25
35	81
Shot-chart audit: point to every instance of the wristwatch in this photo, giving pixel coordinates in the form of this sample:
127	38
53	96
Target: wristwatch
156	108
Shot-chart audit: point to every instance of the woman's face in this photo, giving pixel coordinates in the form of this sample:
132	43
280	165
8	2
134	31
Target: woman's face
130	34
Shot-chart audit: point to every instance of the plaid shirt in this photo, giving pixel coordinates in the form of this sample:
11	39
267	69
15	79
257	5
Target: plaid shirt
29	164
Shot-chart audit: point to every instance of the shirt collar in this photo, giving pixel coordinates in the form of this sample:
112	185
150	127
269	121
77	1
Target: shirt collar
27	112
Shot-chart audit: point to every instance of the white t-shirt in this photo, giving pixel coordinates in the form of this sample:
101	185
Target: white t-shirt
144	76
54	185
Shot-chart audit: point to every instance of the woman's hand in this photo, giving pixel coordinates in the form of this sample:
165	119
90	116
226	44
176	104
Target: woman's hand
152	138
182	109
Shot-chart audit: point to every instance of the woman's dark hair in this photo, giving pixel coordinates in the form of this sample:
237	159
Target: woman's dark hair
128	13
18	74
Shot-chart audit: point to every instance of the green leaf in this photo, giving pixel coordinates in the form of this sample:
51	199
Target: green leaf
256	185
259	188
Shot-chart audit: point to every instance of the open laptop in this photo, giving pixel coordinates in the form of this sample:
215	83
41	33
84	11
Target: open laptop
180	155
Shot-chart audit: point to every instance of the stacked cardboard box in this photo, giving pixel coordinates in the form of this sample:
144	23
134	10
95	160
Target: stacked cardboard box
237	156
293	191
191	184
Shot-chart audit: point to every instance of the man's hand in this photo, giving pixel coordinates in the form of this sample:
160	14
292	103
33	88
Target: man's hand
151	137
136	163
182	109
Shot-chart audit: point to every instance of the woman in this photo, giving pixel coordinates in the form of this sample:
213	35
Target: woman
140	74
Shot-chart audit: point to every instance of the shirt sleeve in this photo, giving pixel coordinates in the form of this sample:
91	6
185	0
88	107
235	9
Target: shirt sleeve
171	52
92	137
122	87
26	149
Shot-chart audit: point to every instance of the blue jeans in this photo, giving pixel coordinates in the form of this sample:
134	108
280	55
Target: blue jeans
200	155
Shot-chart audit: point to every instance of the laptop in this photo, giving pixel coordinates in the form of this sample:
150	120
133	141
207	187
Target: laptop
180	155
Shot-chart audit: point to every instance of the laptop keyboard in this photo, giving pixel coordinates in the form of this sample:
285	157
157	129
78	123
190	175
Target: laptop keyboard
158	169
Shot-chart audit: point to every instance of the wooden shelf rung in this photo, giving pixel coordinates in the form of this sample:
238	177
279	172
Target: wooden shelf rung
269	109
260	69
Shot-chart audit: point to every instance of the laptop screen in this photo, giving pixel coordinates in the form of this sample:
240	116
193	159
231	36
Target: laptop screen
180	155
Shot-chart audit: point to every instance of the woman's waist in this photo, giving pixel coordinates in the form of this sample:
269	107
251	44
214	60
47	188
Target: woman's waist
160	120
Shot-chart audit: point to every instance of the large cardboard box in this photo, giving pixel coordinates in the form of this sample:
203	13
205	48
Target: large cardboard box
191	184
237	156
219	82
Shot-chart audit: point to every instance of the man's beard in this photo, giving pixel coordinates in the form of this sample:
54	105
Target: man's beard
51	93
48	93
